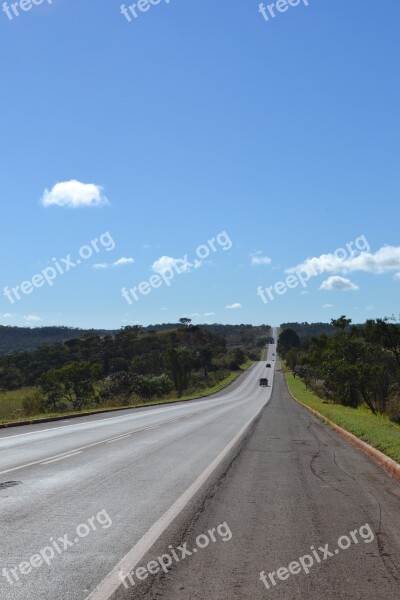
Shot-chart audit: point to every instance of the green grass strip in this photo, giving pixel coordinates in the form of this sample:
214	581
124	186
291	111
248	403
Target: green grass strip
376	430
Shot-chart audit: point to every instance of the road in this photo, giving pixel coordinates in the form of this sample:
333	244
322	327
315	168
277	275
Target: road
130	467
158	478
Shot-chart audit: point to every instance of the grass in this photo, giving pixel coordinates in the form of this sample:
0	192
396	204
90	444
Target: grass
11	403
376	430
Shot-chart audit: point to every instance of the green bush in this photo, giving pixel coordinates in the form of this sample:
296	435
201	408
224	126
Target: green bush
33	404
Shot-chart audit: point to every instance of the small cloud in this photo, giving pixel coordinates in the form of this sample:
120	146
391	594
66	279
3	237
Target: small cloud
167	263
339	284
304	292
32	318
74	194
327	306
233	306
7	316
258	259
209	314
163	264
121	262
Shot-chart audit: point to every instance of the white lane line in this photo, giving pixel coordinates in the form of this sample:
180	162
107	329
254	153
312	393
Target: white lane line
143	413
53	460
57	456
112	582
121	437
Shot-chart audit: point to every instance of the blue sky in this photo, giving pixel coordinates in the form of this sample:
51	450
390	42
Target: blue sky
196	118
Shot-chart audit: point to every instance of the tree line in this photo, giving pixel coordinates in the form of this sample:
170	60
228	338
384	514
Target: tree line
357	365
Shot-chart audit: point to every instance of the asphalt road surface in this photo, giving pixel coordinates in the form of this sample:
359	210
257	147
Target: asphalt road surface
249	480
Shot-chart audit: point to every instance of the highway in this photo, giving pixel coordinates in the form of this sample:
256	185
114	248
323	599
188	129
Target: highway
102	496
131	467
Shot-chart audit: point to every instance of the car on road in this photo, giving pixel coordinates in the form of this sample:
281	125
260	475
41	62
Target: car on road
264	382
268	365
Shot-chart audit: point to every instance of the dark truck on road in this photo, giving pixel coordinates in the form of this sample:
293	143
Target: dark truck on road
264	382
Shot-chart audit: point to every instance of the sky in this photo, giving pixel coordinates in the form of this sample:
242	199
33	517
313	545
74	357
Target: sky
195	155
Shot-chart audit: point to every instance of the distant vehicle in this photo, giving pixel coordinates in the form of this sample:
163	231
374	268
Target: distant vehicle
264	382
268	365
273	354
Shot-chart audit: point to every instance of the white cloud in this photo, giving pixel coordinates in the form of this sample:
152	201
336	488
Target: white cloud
32	318
73	194
166	263
233	306
384	260
123	261
163	264
7	316
304	292
339	284
327	306
209	314
258	259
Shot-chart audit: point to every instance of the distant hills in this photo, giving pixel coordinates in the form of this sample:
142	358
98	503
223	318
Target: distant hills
25	339
18	339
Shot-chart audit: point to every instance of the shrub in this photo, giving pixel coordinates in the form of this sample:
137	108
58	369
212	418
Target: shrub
33	404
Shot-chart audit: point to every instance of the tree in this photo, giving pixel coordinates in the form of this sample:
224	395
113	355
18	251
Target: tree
11	378
180	364
236	358
203	358
50	385
341	323
386	334
120	385
288	339
292	358
185	321
73	382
